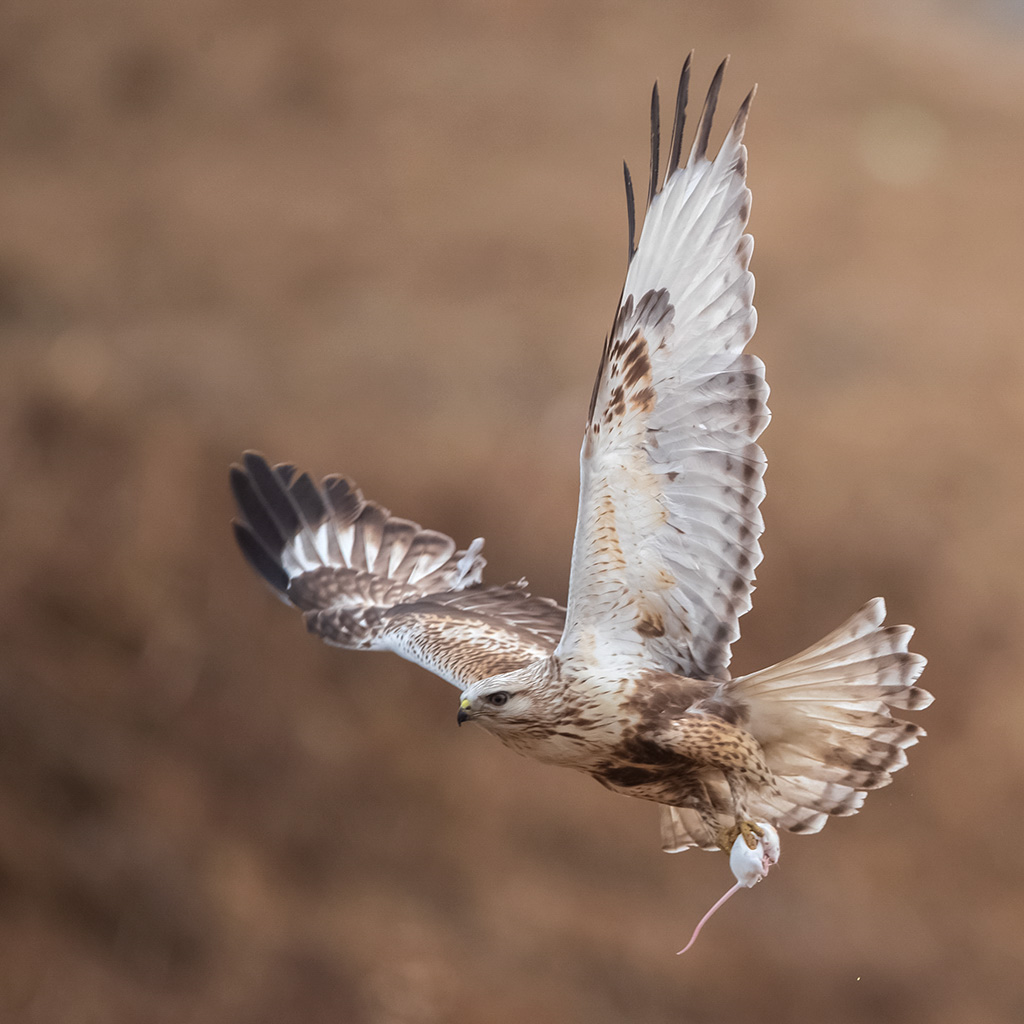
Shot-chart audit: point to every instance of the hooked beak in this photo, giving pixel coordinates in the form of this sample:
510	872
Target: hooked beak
463	715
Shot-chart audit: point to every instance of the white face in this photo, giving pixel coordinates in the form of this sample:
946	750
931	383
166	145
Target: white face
499	702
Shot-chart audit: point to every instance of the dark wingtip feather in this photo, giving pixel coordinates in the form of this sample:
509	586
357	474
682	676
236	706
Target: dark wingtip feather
740	120
254	511
259	558
700	143
652	188
630	209
679	122
251	458
344	499
309	500
273	493
285	472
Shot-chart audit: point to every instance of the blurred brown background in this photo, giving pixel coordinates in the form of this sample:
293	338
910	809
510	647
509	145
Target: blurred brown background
386	239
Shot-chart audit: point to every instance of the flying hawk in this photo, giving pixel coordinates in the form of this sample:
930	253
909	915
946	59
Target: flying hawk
630	681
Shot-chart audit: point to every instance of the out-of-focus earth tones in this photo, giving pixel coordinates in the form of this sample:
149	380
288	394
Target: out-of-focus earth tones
386	240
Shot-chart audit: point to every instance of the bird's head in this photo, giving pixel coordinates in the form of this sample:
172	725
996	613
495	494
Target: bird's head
505	701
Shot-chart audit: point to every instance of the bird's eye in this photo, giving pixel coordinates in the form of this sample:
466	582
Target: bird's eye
497	699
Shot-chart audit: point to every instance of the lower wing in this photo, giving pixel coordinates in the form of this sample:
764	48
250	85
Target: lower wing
367	580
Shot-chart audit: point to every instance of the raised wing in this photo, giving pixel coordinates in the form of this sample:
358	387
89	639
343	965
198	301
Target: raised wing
367	580
671	477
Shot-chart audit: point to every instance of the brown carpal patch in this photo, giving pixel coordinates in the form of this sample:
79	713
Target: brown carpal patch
630	364
616	407
636	363
643	400
650	624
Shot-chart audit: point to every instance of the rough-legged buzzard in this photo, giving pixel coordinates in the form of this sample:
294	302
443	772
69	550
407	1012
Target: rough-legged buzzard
630	682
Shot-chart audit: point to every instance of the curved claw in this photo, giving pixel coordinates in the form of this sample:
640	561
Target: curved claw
750	830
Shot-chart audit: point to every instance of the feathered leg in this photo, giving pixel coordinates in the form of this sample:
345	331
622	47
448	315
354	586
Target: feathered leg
712	743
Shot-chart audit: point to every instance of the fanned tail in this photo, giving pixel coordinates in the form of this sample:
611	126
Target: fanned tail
824	720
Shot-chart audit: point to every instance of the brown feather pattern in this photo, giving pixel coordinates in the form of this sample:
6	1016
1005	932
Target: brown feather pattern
630	684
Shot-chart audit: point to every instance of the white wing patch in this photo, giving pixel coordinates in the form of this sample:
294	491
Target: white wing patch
671	475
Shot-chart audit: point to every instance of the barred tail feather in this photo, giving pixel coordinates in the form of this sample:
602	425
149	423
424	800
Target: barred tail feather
683	827
824	721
